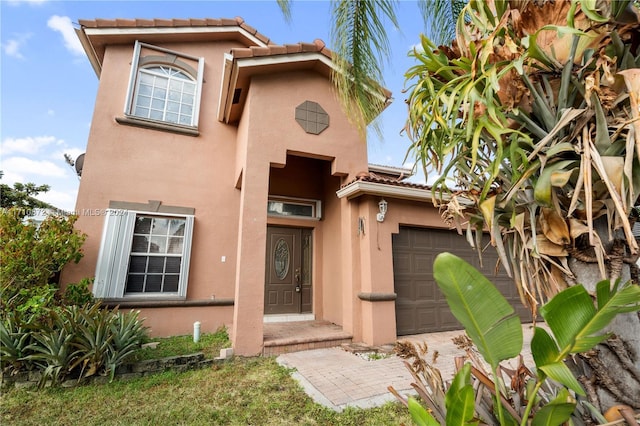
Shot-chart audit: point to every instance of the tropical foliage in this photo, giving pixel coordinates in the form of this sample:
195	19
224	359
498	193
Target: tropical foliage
496	332
70	341
532	116
32	256
530	119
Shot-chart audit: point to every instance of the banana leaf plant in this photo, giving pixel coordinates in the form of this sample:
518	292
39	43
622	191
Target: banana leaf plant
574	326
531	122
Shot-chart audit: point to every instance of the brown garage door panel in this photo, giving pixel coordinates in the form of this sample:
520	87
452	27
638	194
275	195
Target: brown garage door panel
420	306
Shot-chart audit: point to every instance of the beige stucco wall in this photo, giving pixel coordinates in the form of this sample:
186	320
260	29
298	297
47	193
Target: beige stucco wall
377	318
223	174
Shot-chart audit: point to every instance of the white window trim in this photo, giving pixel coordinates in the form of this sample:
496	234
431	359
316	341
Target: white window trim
115	252
316	204
133	78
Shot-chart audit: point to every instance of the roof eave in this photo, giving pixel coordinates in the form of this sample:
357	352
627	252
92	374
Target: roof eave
96	64
359	188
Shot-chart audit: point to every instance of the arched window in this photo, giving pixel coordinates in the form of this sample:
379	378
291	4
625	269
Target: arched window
166	94
164	87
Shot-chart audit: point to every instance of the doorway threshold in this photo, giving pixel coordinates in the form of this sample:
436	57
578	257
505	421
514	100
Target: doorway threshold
288	318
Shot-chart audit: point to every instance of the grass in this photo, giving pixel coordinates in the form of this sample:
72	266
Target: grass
244	391
209	343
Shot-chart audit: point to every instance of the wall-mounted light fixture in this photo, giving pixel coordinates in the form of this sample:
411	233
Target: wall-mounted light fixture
382	205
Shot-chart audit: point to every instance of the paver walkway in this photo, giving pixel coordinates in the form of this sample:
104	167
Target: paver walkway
337	378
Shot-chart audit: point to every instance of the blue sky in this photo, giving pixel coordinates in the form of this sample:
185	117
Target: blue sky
48	87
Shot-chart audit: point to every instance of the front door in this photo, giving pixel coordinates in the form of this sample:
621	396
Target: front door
288	271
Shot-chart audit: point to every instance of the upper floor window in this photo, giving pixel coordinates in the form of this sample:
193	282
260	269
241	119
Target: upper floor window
165	94
165	86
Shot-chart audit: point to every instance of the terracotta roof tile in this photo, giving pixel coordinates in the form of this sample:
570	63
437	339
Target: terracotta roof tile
125	23
374	178
198	22
261	51
278	49
145	23
241	53
293	48
191	22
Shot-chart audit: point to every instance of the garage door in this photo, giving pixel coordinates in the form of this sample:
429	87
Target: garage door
420	306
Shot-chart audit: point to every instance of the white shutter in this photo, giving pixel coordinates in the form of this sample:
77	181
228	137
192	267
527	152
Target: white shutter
113	258
186	255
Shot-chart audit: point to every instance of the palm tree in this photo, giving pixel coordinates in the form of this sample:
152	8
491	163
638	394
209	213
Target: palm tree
361	48
532	118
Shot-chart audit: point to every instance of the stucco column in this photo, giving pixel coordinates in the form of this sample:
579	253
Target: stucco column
350	269
376	287
247	331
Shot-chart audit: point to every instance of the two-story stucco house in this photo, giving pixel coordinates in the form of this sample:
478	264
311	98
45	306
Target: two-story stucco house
229	188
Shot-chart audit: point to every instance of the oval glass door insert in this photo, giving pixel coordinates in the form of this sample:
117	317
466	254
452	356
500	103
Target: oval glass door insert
281	259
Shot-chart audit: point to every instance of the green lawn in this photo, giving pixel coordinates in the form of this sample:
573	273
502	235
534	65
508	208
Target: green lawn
244	391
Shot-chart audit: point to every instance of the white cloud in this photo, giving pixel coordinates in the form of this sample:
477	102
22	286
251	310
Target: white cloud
21	166
28	145
29	2
13	46
64	200
63	25
9	177
51	113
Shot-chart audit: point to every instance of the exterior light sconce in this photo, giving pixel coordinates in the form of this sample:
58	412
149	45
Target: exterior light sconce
382	205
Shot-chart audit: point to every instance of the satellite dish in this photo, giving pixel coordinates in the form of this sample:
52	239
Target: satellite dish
79	163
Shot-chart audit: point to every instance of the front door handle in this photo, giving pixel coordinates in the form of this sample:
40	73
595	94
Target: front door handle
297	278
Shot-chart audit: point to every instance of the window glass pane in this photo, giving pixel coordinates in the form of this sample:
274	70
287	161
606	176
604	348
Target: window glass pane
171	117
173	265
160	93
175	95
282	208
156	265
146	78
187	110
135	283
176	85
171	283
144	89
189	88
185	119
143	101
138	264
158	245
175	245
187	99
160	226
173	107
141	112
140	244
157	104
176	227
153	284
156	115
161	82
143	225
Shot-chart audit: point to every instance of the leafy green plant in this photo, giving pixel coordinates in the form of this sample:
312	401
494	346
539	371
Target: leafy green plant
92	336
78	293
127	334
574	322
32	255
14	342
53	350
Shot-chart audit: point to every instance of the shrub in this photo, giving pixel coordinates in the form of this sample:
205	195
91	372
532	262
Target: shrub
74	341
32	256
